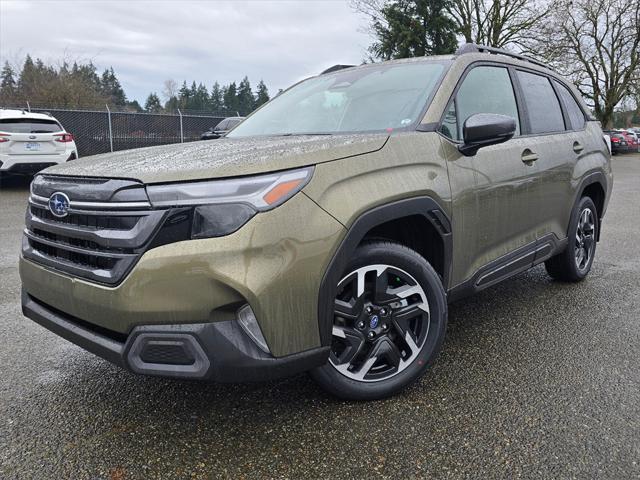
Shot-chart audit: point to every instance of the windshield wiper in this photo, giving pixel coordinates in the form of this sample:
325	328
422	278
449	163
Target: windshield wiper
302	134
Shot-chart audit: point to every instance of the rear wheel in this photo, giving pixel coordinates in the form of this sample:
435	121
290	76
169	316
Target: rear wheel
389	322
575	262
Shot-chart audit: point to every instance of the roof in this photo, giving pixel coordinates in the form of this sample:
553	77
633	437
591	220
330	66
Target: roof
7	113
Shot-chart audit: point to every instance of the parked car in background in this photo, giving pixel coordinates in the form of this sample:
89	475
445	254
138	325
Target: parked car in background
606	134
635	140
619	143
221	128
30	142
632	140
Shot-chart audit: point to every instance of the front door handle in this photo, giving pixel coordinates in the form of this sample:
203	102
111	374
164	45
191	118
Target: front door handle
577	147
529	156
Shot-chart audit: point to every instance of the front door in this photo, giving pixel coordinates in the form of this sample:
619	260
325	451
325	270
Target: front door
494	215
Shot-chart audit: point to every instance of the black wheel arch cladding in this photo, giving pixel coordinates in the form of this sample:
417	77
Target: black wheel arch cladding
423	206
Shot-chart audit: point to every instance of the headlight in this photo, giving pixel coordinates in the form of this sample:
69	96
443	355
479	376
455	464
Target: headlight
223	206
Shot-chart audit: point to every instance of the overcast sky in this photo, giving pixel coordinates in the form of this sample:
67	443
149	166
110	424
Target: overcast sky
149	41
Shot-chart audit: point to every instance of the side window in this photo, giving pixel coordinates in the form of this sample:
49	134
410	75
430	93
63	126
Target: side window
485	89
543	106
576	116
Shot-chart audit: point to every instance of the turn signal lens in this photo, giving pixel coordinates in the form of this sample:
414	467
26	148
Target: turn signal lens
281	191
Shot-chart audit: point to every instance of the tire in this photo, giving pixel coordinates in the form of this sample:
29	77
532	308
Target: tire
389	323
574	263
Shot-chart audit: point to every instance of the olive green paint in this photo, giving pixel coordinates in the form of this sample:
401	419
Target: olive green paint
496	204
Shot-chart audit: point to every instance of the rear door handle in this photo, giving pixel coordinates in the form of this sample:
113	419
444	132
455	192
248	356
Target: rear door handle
529	156
577	147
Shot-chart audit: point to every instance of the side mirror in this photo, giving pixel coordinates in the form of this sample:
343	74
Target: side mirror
484	129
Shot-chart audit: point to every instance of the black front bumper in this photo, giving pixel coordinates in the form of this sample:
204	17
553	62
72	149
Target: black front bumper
218	351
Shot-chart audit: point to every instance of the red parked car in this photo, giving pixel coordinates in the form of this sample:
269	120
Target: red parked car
632	140
619	143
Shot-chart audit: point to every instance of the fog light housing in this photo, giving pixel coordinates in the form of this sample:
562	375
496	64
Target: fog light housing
249	323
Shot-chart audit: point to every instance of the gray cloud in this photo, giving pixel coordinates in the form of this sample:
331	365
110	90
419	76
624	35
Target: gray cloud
148	41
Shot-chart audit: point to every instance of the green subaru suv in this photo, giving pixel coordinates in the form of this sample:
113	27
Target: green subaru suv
328	231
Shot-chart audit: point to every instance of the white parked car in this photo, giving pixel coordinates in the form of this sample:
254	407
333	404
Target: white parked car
30	142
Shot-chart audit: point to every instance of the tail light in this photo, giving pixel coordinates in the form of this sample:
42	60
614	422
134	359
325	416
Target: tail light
3	137
615	140
64	137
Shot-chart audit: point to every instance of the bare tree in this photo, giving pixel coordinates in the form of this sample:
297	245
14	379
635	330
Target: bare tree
372	9
498	23
596	44
169	89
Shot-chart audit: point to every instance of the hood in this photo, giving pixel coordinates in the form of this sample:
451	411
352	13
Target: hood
221	158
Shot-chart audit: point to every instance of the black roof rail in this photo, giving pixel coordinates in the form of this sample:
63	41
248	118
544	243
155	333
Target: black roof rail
474	48
335	68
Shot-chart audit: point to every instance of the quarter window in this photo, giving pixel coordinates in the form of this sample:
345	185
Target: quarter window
576	116
485	89
545	114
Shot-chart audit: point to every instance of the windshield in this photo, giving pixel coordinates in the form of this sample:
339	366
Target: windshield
373	98
29	125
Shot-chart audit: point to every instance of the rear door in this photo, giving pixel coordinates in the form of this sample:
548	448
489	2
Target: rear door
557	141
30	136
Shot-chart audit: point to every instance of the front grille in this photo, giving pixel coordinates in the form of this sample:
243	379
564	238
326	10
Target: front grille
88	221
76	258
100	244
70	241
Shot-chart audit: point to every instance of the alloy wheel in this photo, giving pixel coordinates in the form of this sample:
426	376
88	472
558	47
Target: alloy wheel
381	322
585	239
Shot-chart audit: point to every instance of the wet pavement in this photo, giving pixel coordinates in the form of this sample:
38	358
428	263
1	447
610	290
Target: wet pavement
537	379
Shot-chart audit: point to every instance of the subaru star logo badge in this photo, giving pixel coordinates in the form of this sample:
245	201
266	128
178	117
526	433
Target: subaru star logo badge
373	322
59	204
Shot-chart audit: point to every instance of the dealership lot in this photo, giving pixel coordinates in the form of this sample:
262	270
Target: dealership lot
537	380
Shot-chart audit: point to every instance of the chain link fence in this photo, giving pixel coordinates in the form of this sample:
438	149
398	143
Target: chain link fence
101	131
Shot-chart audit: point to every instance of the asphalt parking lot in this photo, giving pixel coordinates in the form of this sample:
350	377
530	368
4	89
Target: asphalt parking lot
537	379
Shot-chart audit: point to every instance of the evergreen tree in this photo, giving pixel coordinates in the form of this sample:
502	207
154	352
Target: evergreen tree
172	105
153	105
216	100
184	95
134	106
111	88
262	95
414	28
245	97
201	98
8	83
27	78
230	96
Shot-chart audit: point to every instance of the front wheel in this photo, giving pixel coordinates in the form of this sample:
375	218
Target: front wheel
389	321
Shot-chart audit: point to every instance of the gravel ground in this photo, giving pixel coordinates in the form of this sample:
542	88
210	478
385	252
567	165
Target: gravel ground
537	379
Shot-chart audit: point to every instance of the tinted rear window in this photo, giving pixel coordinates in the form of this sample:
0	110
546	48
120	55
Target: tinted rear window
544	109
29	125
576	117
